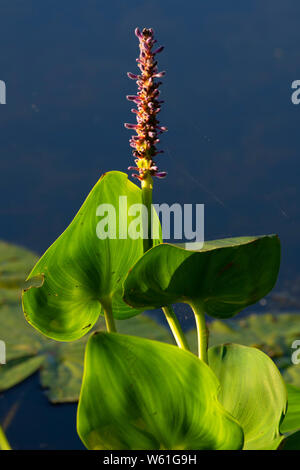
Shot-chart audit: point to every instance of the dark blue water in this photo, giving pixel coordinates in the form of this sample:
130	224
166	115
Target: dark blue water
32	423
233	141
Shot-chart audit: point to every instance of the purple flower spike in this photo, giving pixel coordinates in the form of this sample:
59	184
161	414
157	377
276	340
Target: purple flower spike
148	106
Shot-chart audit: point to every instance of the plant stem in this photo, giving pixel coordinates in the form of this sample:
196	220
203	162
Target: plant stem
109	318
4	444
202	332
147	187
175	327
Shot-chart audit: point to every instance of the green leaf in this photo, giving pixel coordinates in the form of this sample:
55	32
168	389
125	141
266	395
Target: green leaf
291	422
62	371
253	391
142	394
4	444
225	275
80	272
15	371
21	340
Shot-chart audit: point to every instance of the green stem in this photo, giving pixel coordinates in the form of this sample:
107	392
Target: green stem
4	444
175	327
202	332
147	187
108	315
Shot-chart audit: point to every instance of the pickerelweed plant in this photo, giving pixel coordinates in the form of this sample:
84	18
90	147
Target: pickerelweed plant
143	394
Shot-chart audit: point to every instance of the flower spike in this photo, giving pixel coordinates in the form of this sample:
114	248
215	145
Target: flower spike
148	106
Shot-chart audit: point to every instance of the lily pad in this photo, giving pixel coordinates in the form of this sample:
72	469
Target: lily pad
15	264
141	394
223	277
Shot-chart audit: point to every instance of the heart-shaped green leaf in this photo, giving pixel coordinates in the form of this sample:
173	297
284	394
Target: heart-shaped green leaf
80	272
253	391
224	276
142	394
